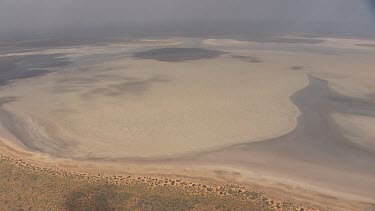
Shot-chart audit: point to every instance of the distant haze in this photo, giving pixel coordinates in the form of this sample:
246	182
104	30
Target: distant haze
347	17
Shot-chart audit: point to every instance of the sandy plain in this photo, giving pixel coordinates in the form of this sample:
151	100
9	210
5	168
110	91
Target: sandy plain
275	111
141	107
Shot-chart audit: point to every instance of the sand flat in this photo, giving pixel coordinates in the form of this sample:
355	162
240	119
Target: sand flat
129	109
317	154
263	110
359	129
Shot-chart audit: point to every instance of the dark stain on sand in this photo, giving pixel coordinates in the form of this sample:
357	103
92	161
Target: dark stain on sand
366	45
28	66
250	59
178	54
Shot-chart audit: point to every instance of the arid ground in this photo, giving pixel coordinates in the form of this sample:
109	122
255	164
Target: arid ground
287	118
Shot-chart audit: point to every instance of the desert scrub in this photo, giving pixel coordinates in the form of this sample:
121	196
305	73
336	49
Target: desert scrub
27	187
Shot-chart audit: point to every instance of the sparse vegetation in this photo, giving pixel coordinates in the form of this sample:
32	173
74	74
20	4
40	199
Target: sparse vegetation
27	187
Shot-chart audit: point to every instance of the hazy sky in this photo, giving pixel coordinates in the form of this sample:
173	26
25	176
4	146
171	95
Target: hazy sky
54	14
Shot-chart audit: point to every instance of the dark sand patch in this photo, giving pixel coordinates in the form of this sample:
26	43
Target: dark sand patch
128	86
366	45
42	42
79	83
296	67
279	39
14	51
7	99
247	58
22	67
178	54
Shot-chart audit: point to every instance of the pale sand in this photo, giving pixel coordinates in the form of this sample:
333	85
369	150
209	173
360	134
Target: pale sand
224	42
149	108
111	47
357	128
216	103
350	73
316	154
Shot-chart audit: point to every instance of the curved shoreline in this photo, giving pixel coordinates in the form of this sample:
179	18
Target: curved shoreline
204	183
292	149
314	155
5	114
316	143
268	117
22	184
